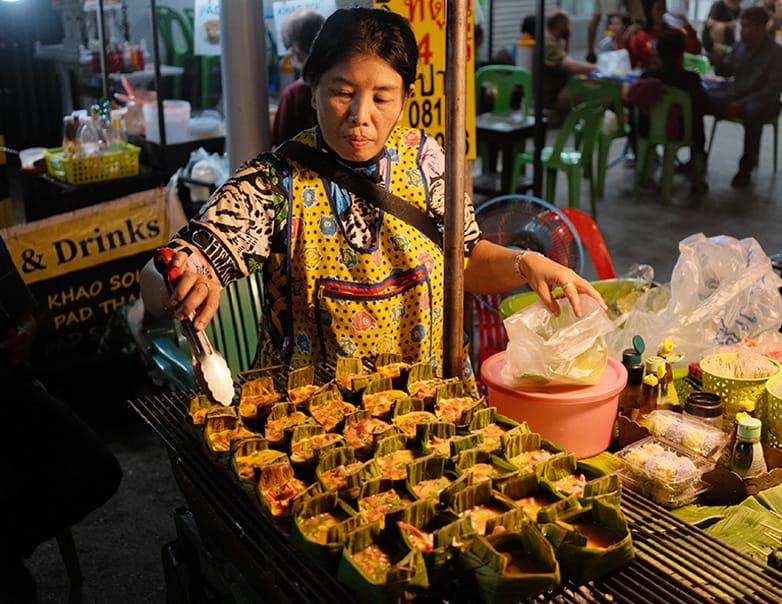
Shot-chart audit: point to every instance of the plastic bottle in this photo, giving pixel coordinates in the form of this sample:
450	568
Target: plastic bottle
134	119
630	396
118	133
746	409
89	139
141	55
747	458
70	138
650	388
525	50
287	72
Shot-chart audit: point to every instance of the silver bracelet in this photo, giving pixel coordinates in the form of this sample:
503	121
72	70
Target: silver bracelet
517	261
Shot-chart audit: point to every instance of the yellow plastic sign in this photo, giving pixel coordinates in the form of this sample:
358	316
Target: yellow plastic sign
426	108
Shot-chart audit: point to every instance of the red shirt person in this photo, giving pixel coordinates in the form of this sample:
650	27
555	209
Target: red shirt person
641	46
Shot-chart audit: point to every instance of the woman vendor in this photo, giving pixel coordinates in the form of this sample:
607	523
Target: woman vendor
343	277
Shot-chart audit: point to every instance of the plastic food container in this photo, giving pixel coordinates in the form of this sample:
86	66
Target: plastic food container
664	472
176	115
579	418
698	436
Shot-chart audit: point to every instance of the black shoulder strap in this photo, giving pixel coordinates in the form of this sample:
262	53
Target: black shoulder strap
363	187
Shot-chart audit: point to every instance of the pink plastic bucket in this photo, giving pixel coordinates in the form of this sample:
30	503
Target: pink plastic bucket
580	418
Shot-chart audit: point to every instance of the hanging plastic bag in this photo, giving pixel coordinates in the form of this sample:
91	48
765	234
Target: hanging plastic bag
544	349
722	290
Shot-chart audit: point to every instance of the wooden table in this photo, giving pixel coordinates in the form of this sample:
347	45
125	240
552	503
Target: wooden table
505	130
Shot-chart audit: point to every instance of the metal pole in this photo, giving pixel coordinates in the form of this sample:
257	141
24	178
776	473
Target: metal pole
245	85
104	65
537	92
161	120
455	114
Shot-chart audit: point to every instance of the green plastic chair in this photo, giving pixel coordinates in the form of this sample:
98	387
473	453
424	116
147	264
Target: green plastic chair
203	68
502	81
699	63
233	331
572	157
610	95
658	136
773	122
173	28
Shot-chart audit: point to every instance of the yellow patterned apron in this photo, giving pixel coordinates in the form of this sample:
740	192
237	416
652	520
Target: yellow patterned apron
345	300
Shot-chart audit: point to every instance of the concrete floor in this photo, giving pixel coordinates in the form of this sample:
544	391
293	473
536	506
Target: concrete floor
120	544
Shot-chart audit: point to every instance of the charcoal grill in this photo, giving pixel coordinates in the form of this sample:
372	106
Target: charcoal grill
675	562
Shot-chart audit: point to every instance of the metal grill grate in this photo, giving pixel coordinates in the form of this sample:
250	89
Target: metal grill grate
675	562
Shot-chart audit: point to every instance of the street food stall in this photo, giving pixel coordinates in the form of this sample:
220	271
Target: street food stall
374	480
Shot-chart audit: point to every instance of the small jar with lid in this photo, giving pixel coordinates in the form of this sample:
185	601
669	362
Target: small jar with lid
704	406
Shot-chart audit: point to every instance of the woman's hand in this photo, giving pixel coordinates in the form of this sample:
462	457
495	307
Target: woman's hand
546	275
494	269
195	294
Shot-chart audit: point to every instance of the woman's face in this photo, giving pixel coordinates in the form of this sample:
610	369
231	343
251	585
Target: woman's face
358	102
616	26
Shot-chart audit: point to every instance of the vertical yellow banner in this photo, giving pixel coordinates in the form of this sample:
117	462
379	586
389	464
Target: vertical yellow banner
426	109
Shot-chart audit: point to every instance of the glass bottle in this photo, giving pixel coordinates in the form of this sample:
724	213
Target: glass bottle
747	458
630	396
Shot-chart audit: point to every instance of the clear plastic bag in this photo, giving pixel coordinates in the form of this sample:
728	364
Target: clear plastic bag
722	290
614	62
544	349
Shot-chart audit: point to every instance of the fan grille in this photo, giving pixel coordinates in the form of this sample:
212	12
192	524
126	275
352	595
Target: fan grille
525	222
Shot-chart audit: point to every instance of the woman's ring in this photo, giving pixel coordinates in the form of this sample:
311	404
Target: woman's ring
568	284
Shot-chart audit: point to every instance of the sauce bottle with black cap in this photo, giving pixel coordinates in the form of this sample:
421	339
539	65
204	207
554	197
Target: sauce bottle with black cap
630	396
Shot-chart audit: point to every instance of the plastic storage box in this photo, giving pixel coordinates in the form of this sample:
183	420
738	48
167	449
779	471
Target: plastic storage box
666	473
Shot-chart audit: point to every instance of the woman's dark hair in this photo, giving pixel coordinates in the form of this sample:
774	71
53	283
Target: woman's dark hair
528	25
363	31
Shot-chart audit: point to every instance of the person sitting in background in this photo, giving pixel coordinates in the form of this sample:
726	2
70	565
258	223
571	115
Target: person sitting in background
774	10
558	66
632	8
641	47
755	62
720	26
621	30
294	110
669	69
54	470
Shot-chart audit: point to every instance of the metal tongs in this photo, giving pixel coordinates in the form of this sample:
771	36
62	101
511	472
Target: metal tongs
211	371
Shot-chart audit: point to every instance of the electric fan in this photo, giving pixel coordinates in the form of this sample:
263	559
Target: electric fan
526	222
522	222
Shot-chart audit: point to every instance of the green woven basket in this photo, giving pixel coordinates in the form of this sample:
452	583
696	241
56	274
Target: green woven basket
732	390
772	421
